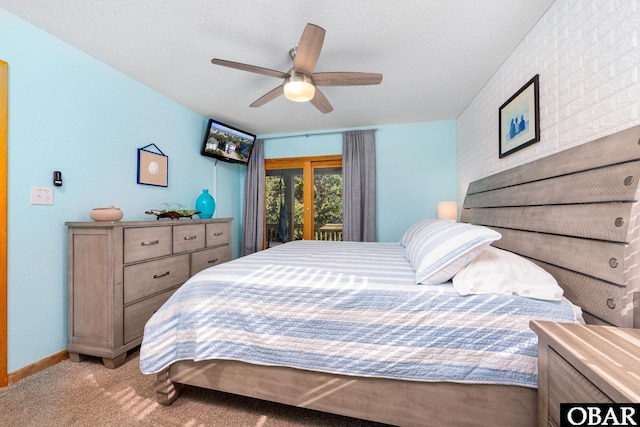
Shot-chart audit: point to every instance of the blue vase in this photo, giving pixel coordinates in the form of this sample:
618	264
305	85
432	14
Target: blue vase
205	204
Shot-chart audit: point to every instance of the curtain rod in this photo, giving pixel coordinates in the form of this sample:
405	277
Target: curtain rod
307	135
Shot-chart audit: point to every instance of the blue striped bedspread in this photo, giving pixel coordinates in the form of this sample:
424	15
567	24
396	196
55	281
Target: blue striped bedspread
347	308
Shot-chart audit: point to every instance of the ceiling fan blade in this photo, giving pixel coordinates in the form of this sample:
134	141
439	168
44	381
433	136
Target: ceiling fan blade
308	50
269	96
346	79
321	102
250	68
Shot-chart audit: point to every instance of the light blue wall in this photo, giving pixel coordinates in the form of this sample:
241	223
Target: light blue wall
70	112
416	168
323	143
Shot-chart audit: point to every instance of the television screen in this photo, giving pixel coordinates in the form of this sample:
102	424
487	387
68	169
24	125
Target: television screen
226	143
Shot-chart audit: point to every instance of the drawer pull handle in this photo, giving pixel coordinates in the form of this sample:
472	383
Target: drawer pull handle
213	261
190	237
157	276
220	233
150	243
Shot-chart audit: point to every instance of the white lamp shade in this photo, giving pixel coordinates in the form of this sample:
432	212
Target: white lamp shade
299	87
448	210
299	91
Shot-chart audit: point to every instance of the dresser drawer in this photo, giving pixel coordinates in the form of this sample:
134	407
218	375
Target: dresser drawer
209	257
148	278
188	237
218	233
137	315
146	243
567	385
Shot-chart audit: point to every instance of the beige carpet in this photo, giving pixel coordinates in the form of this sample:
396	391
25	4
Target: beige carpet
88	394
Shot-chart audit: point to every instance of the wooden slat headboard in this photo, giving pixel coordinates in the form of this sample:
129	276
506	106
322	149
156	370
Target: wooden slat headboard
575	213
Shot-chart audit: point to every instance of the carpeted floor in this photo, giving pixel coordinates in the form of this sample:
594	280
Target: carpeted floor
88	394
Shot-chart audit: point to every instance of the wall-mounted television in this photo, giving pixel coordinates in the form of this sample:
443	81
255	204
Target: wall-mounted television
227	143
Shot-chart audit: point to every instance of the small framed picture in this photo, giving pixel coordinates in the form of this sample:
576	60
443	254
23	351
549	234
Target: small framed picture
519	119
153	168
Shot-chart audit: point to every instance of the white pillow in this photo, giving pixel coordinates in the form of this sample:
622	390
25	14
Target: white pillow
440	248
497	271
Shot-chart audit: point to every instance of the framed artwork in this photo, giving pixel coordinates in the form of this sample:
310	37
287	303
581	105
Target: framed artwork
519	119
153	167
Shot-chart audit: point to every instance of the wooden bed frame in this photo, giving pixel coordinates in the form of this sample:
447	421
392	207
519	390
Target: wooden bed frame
575	213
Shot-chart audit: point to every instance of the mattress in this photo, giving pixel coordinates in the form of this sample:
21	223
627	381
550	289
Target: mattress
348	308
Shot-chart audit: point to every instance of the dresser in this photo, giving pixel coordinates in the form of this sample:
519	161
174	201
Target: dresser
585	364
120	273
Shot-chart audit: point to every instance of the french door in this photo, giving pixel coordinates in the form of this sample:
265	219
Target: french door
303	199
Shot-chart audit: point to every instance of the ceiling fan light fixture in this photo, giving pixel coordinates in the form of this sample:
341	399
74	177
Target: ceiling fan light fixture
299	83
299	87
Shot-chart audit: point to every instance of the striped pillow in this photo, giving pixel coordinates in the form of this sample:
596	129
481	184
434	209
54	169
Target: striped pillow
440	248
415	229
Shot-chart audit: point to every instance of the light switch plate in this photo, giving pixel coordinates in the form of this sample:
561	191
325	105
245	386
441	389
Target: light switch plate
41	195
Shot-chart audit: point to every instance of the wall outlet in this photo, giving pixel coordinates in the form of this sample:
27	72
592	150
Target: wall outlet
41	196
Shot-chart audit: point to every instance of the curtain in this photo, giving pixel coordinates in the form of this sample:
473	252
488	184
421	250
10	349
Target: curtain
359	186
253	214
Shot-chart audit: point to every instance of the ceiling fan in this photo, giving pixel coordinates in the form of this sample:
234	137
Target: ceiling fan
300	82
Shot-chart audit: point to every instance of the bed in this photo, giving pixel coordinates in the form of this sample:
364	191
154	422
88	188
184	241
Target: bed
573	214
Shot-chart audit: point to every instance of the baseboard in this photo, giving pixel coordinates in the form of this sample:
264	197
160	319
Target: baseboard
38	366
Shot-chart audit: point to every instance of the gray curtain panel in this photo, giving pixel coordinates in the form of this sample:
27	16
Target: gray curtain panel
253	214
359	186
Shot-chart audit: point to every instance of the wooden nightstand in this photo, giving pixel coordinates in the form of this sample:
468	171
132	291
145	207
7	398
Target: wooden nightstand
585	364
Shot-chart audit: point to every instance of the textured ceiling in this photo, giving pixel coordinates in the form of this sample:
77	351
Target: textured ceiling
435	55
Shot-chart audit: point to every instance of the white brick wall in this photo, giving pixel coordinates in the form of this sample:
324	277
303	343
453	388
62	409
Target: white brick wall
588	57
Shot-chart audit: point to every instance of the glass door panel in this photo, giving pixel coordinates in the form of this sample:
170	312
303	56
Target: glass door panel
327	203
284	194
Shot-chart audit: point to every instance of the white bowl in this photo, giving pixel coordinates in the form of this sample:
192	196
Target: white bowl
106	214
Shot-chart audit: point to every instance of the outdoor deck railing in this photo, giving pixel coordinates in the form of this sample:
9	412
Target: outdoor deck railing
327	232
